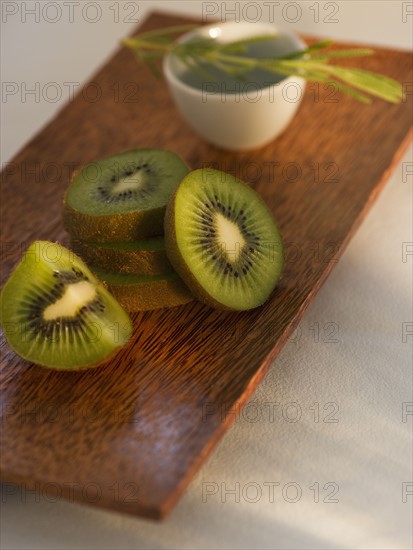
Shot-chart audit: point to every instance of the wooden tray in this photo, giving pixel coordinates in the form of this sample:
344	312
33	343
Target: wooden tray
130	435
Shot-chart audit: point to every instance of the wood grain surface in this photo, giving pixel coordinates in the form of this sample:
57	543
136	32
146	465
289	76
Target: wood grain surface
131	434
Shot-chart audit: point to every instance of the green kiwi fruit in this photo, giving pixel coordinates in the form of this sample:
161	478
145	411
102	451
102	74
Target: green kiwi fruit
145	292
146	257
55	313
222	240
122	197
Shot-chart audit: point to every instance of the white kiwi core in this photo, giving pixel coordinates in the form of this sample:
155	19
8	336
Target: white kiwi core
76	296
129	183
229	237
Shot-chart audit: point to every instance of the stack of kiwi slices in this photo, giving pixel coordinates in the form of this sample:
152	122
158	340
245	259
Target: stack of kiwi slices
114	211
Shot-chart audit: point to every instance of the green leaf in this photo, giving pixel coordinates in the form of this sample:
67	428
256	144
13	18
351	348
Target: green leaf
361	52
378	85
310	49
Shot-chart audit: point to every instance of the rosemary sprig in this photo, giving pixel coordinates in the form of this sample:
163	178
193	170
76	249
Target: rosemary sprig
312	64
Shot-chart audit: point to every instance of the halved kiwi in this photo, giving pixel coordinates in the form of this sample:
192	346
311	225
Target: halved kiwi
145	292
122	197
54	312
146	257
222	240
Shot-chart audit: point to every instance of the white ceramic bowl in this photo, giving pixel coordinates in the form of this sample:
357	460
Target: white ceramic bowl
249	118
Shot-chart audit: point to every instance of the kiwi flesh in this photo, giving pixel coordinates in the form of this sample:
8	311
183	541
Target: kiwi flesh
145	292
146	257
223	241
122	197
55	313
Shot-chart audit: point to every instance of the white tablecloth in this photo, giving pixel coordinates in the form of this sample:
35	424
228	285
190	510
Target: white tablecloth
321	458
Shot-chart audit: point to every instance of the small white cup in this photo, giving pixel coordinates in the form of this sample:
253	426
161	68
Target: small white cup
249	118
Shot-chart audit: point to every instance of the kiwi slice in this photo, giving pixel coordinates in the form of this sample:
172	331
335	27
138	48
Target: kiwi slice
145	292
122	197
55	312
146	257
222	240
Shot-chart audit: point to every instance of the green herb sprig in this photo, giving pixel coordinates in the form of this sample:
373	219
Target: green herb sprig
312	64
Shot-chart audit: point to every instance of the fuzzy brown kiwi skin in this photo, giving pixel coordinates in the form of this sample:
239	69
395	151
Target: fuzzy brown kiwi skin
130	226
141	262
165	293
178	263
